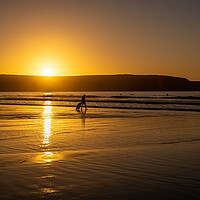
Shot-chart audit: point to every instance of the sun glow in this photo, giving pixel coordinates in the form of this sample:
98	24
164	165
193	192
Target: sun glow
47	123
48	71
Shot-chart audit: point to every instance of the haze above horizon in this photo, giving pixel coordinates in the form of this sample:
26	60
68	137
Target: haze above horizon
78	37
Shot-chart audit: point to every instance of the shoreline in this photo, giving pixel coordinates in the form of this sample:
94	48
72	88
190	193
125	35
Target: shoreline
101	107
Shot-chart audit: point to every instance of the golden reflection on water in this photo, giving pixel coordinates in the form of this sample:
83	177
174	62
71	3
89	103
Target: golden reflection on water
47	115
47	103
47	131
48	157
48	190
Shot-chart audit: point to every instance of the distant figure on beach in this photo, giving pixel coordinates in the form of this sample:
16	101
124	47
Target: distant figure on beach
83	102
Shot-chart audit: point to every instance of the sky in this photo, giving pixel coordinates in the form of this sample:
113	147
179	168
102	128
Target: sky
79	37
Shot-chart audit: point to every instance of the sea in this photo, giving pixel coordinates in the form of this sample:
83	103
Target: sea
183	101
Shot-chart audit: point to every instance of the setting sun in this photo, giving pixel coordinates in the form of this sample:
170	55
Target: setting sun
48	72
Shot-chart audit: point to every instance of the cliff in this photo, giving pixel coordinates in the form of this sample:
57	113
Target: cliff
96	83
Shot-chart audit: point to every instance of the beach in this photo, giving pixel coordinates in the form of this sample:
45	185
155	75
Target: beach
99	100
53	152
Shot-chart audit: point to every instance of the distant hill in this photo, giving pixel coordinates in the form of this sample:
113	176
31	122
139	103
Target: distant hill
96	83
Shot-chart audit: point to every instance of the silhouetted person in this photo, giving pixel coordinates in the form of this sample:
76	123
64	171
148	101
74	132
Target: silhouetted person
83	102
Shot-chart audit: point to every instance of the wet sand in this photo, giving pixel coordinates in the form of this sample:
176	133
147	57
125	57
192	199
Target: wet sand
57	153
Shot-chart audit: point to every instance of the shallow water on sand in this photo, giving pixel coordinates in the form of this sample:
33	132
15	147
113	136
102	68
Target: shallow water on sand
49	152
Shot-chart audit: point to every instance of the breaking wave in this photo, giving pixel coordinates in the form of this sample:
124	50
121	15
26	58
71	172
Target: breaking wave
186	101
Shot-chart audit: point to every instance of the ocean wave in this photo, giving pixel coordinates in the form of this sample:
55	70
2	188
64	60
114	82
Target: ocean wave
110	107
131	96
143	101
67	96
156	97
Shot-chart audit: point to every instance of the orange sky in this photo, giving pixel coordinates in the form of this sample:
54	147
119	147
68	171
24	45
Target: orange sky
76	37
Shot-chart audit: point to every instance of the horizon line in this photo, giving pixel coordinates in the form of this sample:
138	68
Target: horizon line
95	75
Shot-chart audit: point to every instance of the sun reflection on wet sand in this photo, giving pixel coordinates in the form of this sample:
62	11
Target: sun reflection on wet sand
47	157
47	123
48	190
47	132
